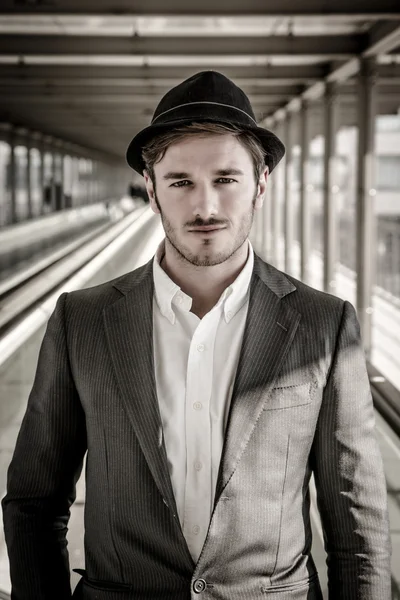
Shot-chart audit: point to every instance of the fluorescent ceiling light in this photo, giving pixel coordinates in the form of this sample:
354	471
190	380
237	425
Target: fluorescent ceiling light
126	25
168	61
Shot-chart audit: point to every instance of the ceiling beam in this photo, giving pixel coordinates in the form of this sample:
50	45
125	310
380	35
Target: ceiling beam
173	75
269	75
126	92
86	101
356	8
44	45
383	36
147	97
158	87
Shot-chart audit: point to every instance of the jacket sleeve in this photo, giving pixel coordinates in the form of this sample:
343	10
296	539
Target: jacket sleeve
41	480
349	476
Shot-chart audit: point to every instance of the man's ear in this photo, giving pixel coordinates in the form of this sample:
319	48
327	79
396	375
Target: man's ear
261	188
150	192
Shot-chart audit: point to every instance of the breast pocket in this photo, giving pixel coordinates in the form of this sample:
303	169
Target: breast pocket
289	396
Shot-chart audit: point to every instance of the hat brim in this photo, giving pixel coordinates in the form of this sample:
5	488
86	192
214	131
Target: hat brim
272	145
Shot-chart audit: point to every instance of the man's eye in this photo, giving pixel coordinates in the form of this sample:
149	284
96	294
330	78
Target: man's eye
225	180
180	183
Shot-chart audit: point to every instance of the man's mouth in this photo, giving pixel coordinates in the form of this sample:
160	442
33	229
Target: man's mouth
207	228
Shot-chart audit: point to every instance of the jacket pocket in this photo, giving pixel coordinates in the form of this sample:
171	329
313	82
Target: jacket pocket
292	586
289	396
106	586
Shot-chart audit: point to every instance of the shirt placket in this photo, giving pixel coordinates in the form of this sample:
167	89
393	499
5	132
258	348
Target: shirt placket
198	434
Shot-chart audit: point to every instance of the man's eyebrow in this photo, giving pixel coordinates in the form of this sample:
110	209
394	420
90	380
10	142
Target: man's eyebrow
219	172
229	171
176	175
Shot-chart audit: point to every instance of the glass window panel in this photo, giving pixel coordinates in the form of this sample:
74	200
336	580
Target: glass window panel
21	182
385	353
344	191
5	183
36	181
315	177
387	123
89	178
294	190
58	174
68	178
279	174
83	188
388	172
75	181
48	189
58	182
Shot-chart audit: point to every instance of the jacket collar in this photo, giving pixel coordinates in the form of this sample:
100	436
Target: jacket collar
274	279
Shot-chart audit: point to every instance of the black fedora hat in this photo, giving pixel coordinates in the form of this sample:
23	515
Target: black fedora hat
205	97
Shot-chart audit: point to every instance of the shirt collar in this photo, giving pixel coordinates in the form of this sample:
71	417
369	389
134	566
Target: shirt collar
237	293
170	297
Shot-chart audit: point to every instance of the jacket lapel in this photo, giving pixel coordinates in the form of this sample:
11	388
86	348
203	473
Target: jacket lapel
270	329
129	330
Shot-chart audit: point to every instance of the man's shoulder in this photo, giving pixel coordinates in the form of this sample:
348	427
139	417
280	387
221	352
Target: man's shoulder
100	295
309	294
320	311
295	290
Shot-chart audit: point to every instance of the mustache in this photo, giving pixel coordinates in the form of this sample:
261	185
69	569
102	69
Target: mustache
201	223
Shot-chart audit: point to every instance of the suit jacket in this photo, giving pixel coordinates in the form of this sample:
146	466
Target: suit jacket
301	403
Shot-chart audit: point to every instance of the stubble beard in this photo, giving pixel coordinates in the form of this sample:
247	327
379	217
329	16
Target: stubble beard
207	260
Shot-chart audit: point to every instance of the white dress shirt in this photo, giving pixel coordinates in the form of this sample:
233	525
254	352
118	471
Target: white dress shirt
195	366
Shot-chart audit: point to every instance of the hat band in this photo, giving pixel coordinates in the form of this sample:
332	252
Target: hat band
204	102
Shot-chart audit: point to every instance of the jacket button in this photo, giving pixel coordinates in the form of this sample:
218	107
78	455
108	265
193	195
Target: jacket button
199	586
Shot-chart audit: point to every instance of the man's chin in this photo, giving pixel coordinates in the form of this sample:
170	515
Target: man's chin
207	260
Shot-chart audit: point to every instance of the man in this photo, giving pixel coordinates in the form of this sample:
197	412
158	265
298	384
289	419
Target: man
206	386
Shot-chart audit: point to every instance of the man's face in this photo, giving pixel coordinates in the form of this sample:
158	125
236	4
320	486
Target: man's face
204	181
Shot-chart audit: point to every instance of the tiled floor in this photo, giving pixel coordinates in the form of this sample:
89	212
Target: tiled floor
15	382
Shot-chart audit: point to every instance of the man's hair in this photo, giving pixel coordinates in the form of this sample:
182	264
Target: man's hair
155	150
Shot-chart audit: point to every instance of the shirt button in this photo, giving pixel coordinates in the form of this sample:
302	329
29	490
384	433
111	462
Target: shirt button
229	314
199	586
198	465
200	347
179	299
196	529
197	406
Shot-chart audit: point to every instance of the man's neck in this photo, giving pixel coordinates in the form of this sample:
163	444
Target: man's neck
204	284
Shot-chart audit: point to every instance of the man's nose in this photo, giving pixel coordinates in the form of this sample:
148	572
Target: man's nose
204	202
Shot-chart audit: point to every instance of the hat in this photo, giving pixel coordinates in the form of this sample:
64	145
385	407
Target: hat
205	97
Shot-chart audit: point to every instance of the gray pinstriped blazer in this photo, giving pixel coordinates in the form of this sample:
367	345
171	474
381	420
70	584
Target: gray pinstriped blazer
301	403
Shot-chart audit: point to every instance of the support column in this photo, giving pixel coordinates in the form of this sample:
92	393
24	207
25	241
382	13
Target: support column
266	223
305	204
94	181
288	214
42	181
365	224
29	176
259	234
331	125
273	209
268	217
75	181
62	182
53	178
13	195
277	193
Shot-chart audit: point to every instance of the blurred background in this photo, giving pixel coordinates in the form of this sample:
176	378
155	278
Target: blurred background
78	79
